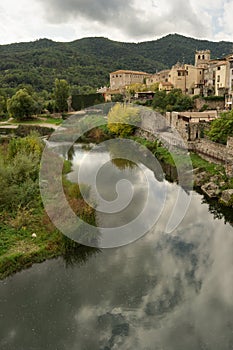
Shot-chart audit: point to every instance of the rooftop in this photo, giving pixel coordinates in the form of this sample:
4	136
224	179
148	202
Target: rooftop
129	72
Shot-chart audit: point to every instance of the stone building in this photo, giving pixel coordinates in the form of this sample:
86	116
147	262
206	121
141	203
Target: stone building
202	58
229	94
188	78
120	79
159	77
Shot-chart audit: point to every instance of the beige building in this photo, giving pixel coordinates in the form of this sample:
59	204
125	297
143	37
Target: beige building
229	95
188	78
202	58
120	79
159	77
165	86
221	80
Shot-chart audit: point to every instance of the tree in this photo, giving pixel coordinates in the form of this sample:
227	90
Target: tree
122	119
22	105
3	105
61	93
172	101
221	128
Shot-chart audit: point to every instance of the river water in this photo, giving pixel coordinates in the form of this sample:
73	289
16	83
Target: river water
162	292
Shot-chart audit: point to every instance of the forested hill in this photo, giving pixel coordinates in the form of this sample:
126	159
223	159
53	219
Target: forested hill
88	61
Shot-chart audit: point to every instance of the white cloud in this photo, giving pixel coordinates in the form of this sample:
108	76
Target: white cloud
117	19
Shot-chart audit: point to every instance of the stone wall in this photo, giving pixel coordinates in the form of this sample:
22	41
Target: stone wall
213	105
215	151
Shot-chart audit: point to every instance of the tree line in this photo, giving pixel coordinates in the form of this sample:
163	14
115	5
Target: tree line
25	102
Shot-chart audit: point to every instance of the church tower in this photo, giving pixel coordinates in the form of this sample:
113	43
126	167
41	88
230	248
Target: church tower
202	58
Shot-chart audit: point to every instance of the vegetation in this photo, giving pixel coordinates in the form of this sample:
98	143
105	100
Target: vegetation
61	94
87	62
221	128
123	119
22	105
172	101
27	235
83	101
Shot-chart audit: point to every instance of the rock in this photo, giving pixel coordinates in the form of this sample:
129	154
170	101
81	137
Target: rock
200	178
211	190
227	198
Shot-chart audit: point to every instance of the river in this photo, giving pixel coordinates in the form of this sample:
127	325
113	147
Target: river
162	292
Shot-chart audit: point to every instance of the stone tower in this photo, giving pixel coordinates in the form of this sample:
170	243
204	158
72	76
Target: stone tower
202	58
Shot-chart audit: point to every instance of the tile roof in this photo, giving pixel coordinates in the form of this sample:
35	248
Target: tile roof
129	72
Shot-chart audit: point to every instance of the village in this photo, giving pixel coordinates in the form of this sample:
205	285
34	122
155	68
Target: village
209	82
208	77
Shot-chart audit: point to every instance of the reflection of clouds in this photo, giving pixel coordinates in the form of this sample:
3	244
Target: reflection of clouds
168	292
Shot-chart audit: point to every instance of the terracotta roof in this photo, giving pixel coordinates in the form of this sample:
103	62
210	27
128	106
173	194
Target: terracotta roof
129	72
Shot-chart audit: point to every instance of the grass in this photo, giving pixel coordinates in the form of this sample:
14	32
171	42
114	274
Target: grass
202	164
50	120
23	219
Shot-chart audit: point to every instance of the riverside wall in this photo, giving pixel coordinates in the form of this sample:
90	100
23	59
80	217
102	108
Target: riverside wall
215	152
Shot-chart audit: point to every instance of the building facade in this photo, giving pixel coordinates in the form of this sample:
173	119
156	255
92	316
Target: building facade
120	79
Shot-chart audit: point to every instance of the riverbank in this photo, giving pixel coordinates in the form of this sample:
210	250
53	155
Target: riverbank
27	234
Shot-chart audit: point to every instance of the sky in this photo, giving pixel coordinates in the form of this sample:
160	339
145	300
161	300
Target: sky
121	20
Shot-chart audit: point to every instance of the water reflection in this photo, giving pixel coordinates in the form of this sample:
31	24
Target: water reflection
164	292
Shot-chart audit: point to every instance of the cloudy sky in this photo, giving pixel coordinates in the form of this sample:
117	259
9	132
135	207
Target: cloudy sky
132	20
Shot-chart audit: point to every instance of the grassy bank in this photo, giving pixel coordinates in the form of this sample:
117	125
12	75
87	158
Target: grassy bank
26	234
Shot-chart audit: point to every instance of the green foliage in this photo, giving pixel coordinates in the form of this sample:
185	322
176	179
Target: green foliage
61	94
122	119
19	169
3	105
172	101
221	128
22	105
90	60
117	98
84	101
204	107
214	98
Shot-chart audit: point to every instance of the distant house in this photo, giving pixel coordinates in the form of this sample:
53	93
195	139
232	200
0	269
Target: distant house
120	79
165	86
159	77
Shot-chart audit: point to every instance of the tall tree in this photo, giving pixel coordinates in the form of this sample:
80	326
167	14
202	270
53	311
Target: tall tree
61	93
22	105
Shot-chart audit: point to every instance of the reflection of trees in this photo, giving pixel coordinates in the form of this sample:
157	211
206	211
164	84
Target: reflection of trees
218	211
123	164
129	154
71	153
76	254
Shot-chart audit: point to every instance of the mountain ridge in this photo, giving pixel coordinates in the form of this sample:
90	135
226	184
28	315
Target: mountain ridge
88	61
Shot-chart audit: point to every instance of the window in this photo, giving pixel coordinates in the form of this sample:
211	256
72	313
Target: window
203	57
116	76
199	57
218	78
219	68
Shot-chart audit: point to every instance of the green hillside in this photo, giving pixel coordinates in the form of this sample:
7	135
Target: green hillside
88	61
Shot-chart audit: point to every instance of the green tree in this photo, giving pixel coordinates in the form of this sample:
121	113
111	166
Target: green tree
61	93
221	128
22	105
3	105
159	100
172	101
122	119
